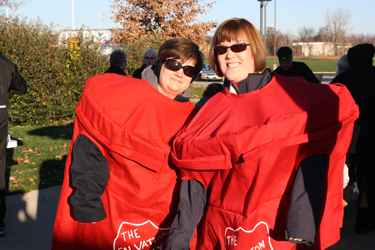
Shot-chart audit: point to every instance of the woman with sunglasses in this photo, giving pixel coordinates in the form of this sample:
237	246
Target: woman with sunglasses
149	58
262	161
120	188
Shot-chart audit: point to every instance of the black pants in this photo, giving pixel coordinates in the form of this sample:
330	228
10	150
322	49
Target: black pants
3	139
363	165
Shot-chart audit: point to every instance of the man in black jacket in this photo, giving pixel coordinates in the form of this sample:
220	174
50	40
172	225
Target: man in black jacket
293	69
118	61
10	82
360	80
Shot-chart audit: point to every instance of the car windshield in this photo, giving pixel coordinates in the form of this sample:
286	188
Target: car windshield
207	67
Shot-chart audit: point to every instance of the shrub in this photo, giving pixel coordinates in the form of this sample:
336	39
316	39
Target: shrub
55	75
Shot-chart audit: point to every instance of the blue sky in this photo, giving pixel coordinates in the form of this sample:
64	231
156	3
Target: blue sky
291	15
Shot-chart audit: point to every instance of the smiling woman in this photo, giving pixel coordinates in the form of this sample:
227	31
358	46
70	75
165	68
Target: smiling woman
254	159
119	187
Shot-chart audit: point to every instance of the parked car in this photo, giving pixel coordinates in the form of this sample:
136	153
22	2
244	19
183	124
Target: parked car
207	73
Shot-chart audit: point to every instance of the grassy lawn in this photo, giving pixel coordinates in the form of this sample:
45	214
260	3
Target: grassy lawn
38	161
196	92
314	65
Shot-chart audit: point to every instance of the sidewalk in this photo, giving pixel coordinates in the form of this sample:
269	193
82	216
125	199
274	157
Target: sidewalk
30	219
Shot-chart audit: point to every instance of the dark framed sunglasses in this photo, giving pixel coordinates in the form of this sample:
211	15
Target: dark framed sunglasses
236	48
174	65
149	58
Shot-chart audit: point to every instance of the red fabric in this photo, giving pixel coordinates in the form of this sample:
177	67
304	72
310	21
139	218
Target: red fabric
245	150
133	125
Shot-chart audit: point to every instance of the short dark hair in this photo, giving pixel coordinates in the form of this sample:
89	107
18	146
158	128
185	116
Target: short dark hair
117	57
284	52
180	48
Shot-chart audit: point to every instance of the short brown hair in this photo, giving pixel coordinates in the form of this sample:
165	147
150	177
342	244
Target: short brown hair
235	29
180	48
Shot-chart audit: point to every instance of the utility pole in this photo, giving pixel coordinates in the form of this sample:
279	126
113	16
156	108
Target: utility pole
72	14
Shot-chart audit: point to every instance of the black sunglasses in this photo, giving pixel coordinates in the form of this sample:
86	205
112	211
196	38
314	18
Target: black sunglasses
174	65
236	48
151	58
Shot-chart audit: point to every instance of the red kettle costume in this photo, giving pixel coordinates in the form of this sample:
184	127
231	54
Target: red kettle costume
245	150
132	124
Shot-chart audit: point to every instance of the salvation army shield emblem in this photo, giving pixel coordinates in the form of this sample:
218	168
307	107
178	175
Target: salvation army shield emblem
142	236
256	239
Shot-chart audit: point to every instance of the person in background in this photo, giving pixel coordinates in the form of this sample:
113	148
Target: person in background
342	64
118	61
293	69
262	161
359	78
119	188
149	58
211	90
11	81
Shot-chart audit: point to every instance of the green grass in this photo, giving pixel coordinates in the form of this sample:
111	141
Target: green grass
39	160
196	92
314	65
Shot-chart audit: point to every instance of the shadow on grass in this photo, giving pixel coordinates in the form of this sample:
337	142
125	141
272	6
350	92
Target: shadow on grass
52	171
55	132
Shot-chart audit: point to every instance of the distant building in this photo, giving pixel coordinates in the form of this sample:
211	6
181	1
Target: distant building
102	36
319	48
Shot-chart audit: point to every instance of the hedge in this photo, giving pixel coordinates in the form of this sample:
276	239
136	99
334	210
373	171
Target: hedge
55	71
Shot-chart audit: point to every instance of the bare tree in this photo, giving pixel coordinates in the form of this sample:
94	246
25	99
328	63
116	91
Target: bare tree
162	18
356	39
306	35
285	39
336	28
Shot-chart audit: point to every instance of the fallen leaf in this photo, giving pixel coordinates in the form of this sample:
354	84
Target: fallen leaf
12	178
26	157
50	149
31	180
19	160
64	146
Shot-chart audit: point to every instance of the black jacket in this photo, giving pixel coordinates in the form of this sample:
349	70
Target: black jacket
360	80
138	72
10	82
298	69
116	70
